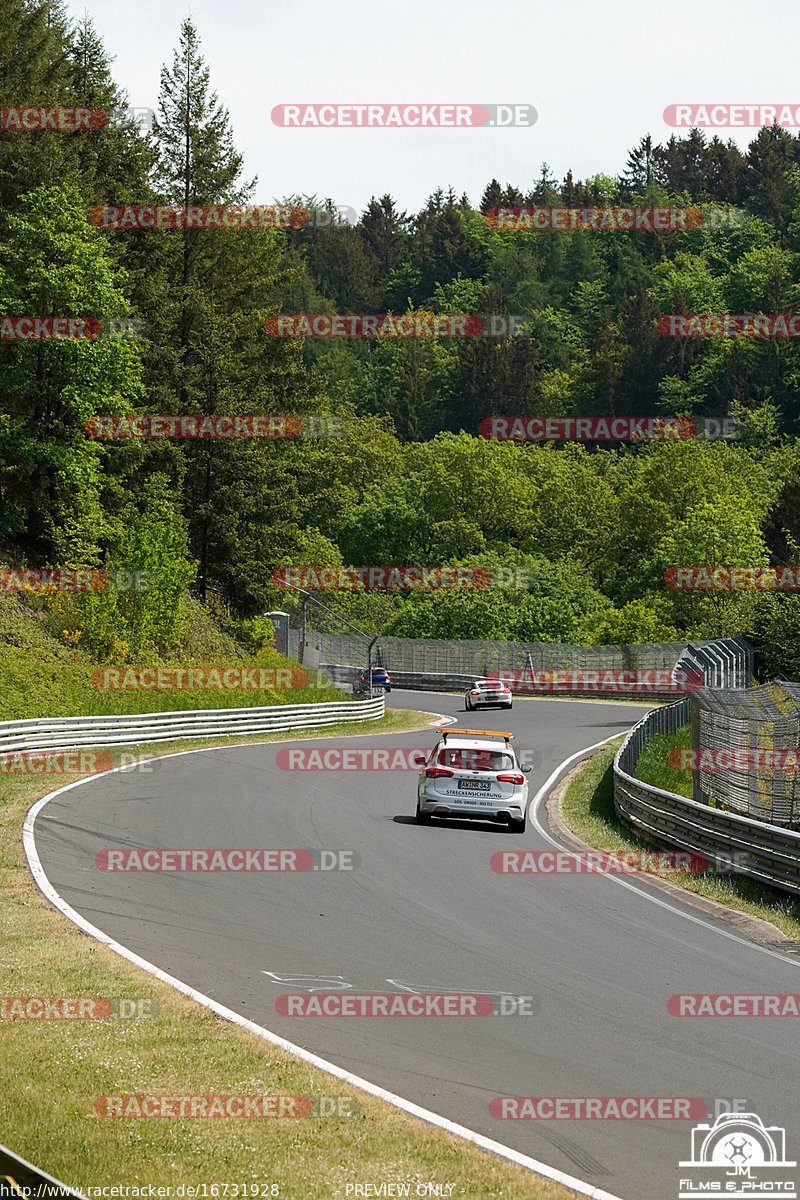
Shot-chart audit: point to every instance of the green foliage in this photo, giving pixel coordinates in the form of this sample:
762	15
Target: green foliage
256	632
138	612
774	633
529	599
407	481
42	677
55	265
647	619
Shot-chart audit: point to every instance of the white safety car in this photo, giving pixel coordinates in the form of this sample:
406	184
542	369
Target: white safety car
468	775
484	692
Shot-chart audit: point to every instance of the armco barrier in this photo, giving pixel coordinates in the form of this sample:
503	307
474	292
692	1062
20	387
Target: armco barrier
763	852
23	1179
66	733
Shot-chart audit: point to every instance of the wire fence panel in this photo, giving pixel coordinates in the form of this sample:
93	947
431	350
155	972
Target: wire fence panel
765	718
434	664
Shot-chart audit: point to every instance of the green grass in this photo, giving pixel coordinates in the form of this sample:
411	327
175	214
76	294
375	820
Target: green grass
653	765
587	808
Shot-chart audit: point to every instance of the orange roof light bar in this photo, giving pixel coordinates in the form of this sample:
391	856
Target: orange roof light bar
479	732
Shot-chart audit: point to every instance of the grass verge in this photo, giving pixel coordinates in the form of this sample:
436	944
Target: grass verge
53	1071
653	765
587	808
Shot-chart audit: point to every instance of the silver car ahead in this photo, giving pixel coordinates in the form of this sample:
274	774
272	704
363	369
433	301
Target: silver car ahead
488	691
467	775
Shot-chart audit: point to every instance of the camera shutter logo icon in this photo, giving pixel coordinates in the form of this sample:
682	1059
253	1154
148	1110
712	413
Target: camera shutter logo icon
737	1154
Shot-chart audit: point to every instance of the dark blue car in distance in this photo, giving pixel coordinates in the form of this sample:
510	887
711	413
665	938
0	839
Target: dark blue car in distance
380	678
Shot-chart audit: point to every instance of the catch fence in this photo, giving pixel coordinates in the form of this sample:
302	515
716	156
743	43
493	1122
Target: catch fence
765	718
431	664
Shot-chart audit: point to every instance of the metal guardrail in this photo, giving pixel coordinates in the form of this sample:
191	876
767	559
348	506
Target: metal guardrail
459	683
340	673
66	733
418	682
24	1179
761	851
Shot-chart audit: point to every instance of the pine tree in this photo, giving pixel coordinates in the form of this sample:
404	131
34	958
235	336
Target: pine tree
196	161
726	172
512	197
34	68
384	232
772	175
215	290
569	192
545	191
639	169
492	196
114	161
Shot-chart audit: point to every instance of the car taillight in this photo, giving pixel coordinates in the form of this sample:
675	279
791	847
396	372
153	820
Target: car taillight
511	778
474	692
437	773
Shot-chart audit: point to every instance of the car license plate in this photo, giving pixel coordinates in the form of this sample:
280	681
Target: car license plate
474	785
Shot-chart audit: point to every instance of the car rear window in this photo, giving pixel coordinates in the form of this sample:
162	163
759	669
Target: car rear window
464	759
497	686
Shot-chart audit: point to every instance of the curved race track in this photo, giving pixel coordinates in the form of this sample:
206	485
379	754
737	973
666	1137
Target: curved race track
424	910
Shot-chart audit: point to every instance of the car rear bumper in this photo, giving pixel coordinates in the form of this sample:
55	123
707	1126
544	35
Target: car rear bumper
502	810
500	816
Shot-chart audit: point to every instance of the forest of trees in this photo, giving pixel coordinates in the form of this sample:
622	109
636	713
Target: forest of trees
408	480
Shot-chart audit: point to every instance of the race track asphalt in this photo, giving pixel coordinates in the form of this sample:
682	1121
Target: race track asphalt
424	911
